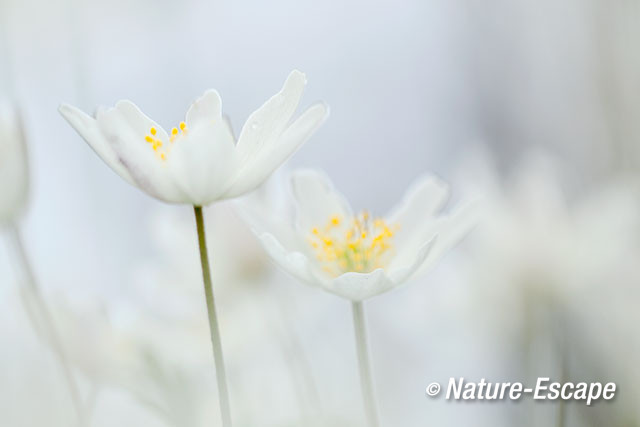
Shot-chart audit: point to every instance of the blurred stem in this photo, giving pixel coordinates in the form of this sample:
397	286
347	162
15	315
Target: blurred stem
223	393
562	347
47	324
299	362
364	363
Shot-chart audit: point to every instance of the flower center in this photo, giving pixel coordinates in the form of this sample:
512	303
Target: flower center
360	244
156	143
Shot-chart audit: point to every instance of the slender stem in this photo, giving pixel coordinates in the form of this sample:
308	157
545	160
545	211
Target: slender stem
47	324
304	380
562	348
366	380
223	393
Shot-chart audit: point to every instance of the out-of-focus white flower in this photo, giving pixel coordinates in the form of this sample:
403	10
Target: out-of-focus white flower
34	380
152	339
199	161
561	275
534	240
358	256
13	164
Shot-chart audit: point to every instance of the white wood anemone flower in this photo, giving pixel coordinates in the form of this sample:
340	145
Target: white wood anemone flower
358	256
199	161
14	180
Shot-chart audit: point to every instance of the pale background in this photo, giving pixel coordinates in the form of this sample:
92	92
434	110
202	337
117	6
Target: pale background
461	89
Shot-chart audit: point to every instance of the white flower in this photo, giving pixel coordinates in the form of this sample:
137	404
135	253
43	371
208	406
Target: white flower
199	161
538	241
360	256
555	274
13	164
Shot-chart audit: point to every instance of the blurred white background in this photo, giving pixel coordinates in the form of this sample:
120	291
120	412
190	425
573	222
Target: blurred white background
532	104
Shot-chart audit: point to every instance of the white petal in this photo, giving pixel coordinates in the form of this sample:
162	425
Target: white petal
88	129
205	111
360	286
203	161
316	200
270	120
124	128
451	231
263	217
424	198
399	272
416	218
295	263
271	157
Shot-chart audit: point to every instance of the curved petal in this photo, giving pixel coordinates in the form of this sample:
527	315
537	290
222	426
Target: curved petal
415	217
316	199
270	120
205	110
424	199
261	219
360	286
400	271
451	231
89	130
294	263
125	127
271	157
204	160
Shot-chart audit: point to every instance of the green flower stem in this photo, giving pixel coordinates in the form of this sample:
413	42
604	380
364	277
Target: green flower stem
223	393
364	363
47	324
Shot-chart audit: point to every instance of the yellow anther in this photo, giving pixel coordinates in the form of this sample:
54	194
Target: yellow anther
156	143
361	244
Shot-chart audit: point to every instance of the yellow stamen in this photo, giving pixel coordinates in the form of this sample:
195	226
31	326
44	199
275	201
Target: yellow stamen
157	143
360	245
